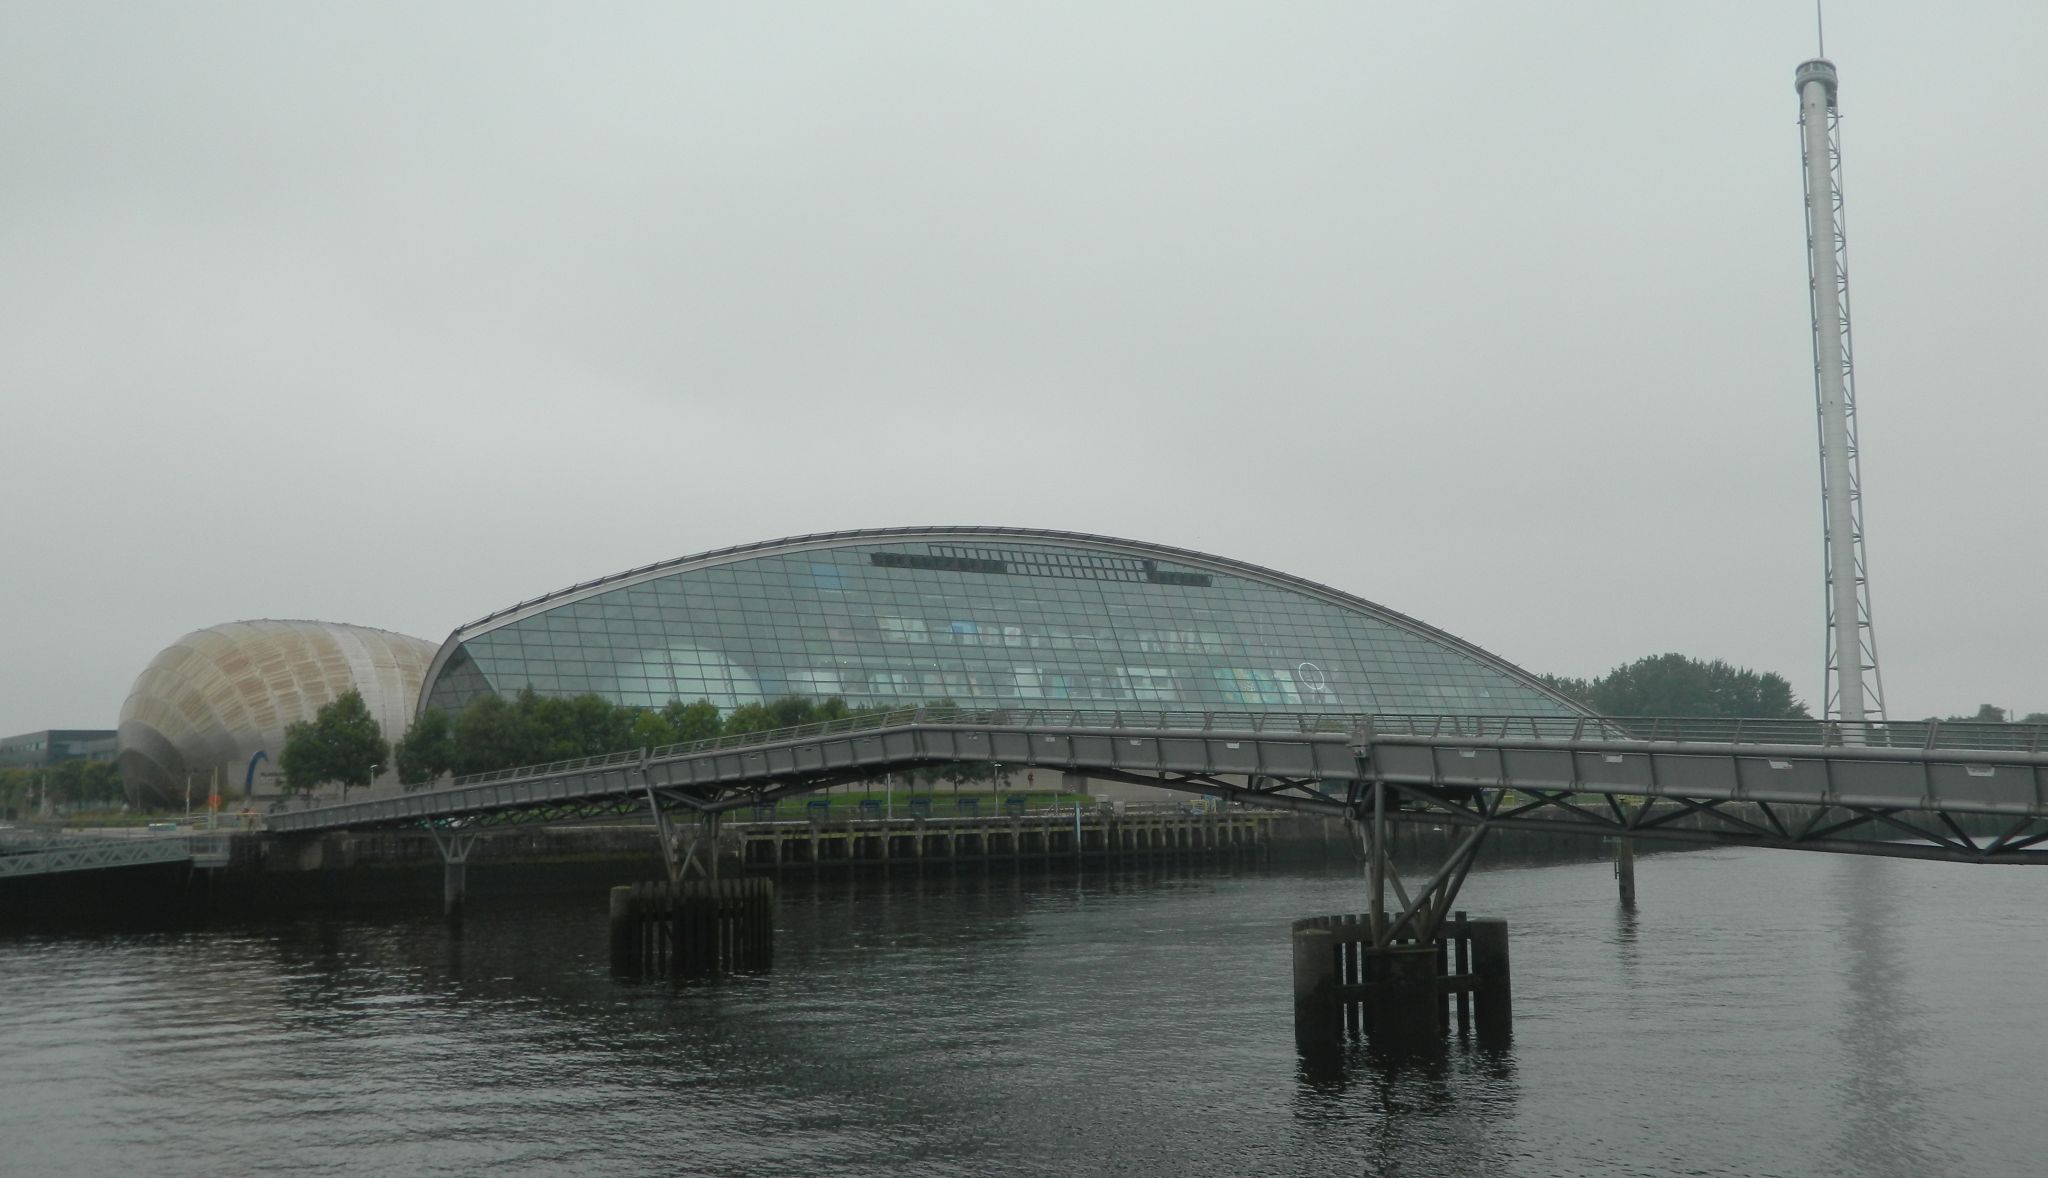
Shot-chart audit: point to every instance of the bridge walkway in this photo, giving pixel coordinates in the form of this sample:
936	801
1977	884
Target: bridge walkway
1913	790
27	855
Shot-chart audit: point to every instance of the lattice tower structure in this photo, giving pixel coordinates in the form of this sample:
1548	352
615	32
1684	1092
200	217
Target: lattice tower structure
1854	688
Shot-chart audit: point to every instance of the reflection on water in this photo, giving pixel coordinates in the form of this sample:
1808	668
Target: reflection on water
1761	1013
1880	1029
1402	1108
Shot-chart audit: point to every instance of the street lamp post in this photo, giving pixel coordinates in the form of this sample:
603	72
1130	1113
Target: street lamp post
373	781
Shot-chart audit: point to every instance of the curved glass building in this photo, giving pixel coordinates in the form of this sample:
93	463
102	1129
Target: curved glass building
982	617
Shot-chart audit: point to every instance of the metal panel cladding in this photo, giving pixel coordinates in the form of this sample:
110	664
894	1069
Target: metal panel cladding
212	700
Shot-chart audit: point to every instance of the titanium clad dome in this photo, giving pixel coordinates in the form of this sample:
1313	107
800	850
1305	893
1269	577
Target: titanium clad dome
215	698
982	617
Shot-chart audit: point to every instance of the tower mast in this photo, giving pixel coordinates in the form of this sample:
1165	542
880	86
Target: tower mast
1854	689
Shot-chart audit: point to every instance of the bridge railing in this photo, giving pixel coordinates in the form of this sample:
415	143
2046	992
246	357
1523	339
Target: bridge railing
1916	734
1107	718
1911	734
48	852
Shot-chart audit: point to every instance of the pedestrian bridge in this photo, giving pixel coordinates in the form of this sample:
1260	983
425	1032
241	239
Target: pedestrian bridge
24	854
1964	792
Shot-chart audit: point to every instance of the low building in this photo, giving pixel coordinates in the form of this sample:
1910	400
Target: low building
51	745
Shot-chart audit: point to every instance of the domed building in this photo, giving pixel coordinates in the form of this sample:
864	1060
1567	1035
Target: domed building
214	705
981	617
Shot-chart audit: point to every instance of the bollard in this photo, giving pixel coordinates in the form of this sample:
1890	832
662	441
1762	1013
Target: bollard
1461	938
625	931
1493	1000
1317	1017
1625	870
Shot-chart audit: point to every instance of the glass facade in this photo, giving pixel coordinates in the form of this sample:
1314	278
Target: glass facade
999	618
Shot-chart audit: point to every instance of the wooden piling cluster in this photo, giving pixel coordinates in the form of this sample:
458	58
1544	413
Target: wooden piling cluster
1405	991
698	928
1051	835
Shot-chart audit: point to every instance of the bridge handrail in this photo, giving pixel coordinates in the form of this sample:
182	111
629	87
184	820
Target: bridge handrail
1110	718
22	840
1927	735
1918	734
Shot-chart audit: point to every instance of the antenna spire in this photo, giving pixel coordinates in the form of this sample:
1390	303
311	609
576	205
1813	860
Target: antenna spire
1820	29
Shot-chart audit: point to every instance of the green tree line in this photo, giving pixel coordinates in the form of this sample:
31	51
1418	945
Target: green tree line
76	784
1675	685
529	729
1989	714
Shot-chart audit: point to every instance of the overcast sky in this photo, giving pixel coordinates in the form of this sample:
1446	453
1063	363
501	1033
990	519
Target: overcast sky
1494	313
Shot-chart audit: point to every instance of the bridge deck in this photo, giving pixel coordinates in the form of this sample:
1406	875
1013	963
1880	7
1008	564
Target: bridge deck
1309	763
79	852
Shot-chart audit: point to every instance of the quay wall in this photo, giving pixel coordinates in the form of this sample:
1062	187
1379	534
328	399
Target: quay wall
278	874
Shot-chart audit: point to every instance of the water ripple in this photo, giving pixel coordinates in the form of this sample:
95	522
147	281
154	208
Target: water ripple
1762	1014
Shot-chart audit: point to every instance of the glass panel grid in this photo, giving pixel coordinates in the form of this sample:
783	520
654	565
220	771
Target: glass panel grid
975	622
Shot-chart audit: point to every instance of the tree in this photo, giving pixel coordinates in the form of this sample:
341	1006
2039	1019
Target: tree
1986	714
1993	714
751	718
692	722
487	737
594	726
427	750
342	742
17	787
83	784
1578	689
103	783
1674	685
75	783
495	733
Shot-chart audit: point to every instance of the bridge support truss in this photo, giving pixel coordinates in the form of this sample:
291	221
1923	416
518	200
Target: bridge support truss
1895	832
694	924
455	844
1394	971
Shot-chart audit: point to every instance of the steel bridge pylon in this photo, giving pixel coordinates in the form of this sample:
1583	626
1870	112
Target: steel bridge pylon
1394	972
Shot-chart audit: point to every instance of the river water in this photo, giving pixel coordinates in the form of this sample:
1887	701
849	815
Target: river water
1763	1013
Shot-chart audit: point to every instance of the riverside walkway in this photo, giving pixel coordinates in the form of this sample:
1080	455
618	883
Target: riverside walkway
1974	793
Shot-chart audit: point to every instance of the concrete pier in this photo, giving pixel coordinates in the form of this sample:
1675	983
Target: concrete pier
454	887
